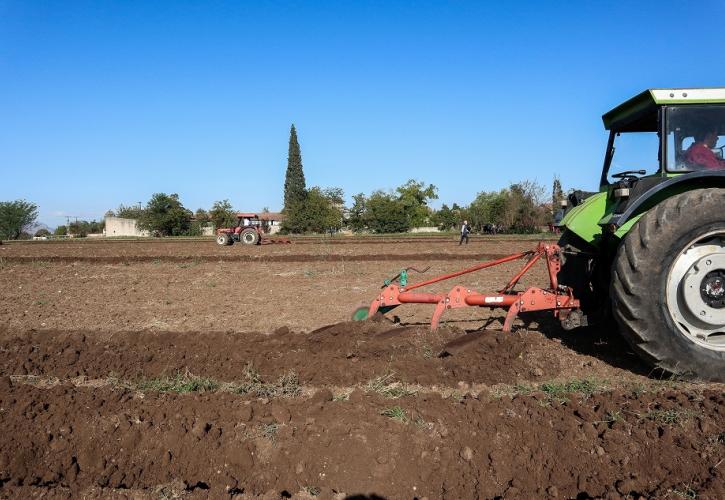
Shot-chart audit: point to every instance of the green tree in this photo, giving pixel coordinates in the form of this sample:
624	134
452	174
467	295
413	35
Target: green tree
294	182
445	219
201	215
357	217
487	208
61	231
414	197
165	215
557	193
386	213
129	212
78	229
222	214
320	212
42	232
525	212
16	217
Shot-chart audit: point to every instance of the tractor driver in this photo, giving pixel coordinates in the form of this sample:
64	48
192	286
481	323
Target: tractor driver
700	153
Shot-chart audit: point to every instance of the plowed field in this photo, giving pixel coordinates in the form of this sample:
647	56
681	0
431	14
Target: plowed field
183	369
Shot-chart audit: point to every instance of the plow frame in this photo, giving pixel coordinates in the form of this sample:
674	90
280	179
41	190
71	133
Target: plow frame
558	299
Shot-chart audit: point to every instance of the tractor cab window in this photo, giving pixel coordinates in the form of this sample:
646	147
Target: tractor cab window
695	138
634	151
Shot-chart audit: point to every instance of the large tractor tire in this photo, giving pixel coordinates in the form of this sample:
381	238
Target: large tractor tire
668	285
249	237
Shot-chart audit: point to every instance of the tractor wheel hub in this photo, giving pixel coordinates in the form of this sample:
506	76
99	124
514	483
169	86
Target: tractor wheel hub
712	289
696	291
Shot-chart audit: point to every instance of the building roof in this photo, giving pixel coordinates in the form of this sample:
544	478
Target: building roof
639	114
270	216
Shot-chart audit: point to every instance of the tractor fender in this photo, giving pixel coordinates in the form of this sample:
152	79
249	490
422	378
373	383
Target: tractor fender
672	186
583	219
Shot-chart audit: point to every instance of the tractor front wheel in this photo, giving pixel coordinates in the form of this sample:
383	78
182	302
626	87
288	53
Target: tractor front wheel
223	240
668	285
249	237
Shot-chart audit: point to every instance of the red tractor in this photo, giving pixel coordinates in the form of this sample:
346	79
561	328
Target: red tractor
248	231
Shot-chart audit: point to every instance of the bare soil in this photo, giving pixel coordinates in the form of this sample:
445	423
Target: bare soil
205	378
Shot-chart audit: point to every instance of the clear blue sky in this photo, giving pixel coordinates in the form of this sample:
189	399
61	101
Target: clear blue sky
103	103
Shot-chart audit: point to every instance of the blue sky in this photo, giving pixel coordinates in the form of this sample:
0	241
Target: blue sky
103	103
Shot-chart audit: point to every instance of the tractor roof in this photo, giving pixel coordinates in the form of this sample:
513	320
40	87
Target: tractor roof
639	114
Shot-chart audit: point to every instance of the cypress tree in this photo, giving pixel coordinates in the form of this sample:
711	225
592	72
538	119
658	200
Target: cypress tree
557	194
294	182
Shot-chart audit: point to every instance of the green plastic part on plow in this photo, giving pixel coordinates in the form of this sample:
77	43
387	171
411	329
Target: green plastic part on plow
402	278
361	313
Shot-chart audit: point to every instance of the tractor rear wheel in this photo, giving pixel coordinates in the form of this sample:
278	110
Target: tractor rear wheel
668	285
249	237
223	240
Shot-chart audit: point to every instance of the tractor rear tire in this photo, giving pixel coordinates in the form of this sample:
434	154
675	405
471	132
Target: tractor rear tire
673	252
249	237
223	240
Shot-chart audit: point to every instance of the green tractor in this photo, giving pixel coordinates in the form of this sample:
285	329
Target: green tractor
649	247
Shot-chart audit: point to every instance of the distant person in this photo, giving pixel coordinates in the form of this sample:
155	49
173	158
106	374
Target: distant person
700	153
465	229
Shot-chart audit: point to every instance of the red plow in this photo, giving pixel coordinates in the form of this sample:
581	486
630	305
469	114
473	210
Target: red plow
556	298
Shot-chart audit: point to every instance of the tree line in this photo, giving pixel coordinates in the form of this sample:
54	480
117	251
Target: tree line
165	215
521	208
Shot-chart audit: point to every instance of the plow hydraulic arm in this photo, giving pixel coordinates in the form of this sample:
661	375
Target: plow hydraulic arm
558	299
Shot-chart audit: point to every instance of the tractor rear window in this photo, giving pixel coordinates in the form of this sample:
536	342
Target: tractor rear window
695	138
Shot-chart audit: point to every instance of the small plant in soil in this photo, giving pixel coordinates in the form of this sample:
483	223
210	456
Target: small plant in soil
387	387
269	431
421	423
287	385
512	390
312	490
180	383
613	416
670	417
685	492
116	382
638	389
559	390
343	396
717	439
396	413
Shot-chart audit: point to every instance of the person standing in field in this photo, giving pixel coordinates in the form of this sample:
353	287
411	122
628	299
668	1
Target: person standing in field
465	229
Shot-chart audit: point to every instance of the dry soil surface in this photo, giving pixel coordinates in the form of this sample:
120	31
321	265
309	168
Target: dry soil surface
183	374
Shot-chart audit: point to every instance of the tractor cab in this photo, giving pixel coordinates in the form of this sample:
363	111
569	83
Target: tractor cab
247	220
661	142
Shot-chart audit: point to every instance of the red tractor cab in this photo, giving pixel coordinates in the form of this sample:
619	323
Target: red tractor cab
248	231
